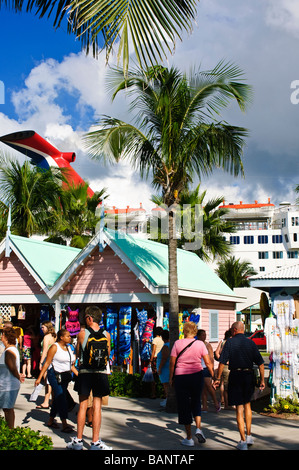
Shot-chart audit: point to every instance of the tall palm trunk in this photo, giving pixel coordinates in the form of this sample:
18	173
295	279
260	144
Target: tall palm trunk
173	280
173	299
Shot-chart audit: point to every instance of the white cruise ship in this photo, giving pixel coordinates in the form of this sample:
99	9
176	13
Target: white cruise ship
266	236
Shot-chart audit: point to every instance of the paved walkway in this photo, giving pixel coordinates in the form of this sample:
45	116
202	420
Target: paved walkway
139	424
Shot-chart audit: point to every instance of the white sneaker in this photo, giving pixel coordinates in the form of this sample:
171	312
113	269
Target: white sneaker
75	444
249	440
99	445
187	442
200	436
242	445
163	403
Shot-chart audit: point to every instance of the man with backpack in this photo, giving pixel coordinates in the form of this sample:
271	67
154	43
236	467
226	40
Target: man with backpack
93	350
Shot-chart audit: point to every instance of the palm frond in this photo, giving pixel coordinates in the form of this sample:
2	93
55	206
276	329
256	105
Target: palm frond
150	27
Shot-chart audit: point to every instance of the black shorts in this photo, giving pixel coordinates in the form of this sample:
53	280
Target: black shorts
240	387
96	383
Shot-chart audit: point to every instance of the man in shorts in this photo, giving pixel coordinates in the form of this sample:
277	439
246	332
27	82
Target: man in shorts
241	353
90	381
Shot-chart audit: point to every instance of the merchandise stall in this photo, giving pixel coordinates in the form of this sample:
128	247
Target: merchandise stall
125	276
282	329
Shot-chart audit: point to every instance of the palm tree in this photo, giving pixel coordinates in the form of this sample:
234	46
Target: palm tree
78	220
34	195
211	242
151	27
235	273
176	136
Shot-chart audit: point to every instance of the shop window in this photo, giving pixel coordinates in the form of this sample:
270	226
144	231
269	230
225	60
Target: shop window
214	319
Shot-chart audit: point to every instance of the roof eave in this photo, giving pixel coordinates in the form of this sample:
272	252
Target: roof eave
28	266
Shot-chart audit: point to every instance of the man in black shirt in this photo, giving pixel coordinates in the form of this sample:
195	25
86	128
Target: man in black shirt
241	354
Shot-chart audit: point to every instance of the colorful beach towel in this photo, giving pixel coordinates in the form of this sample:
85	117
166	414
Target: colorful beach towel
125	314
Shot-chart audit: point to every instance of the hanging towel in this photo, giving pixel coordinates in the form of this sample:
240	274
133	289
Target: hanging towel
125	314
111	327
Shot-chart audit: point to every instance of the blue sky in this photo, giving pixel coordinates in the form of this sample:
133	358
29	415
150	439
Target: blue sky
27	41
54	89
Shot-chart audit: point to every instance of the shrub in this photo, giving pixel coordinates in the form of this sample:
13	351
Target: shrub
22	438
284	405
130	385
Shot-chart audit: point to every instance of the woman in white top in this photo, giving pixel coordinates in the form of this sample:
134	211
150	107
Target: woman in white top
59	365
10	377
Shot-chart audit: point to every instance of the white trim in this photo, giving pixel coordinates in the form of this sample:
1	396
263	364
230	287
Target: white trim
67	274
72	268
25	299
28	266
267	283
108	298
139	275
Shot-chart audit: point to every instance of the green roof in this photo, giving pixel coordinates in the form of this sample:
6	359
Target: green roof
48	260
151	258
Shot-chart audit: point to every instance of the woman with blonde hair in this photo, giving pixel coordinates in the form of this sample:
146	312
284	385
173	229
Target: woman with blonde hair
186	374
48	339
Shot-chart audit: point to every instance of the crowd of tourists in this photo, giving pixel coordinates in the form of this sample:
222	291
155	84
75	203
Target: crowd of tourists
188	368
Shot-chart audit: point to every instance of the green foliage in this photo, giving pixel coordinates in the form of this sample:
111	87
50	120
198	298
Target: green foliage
284	405
22	438
130	385
234	272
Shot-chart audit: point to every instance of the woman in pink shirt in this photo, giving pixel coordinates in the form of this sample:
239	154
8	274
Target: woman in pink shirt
26	353
186	374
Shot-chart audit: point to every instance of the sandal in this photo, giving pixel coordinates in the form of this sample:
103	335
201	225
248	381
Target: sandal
67	429
53	425
41	407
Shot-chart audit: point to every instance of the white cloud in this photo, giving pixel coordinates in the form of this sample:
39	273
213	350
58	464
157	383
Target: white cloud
284	15
42	105
61	99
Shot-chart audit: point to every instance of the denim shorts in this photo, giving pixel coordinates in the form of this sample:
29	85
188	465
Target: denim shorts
8	398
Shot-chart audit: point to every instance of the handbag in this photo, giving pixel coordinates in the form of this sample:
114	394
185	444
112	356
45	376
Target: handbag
66	376
63	377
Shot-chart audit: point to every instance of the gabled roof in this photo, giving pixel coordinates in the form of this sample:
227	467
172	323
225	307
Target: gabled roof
53	265
151	258
45	261
149	262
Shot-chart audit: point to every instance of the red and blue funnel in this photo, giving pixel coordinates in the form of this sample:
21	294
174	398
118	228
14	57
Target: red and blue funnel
44	155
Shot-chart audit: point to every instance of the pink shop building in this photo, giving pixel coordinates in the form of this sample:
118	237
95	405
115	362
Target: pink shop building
122	274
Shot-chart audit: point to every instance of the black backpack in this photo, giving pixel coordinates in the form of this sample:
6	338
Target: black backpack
95	355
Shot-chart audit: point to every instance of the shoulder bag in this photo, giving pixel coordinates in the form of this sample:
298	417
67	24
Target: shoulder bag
181	352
